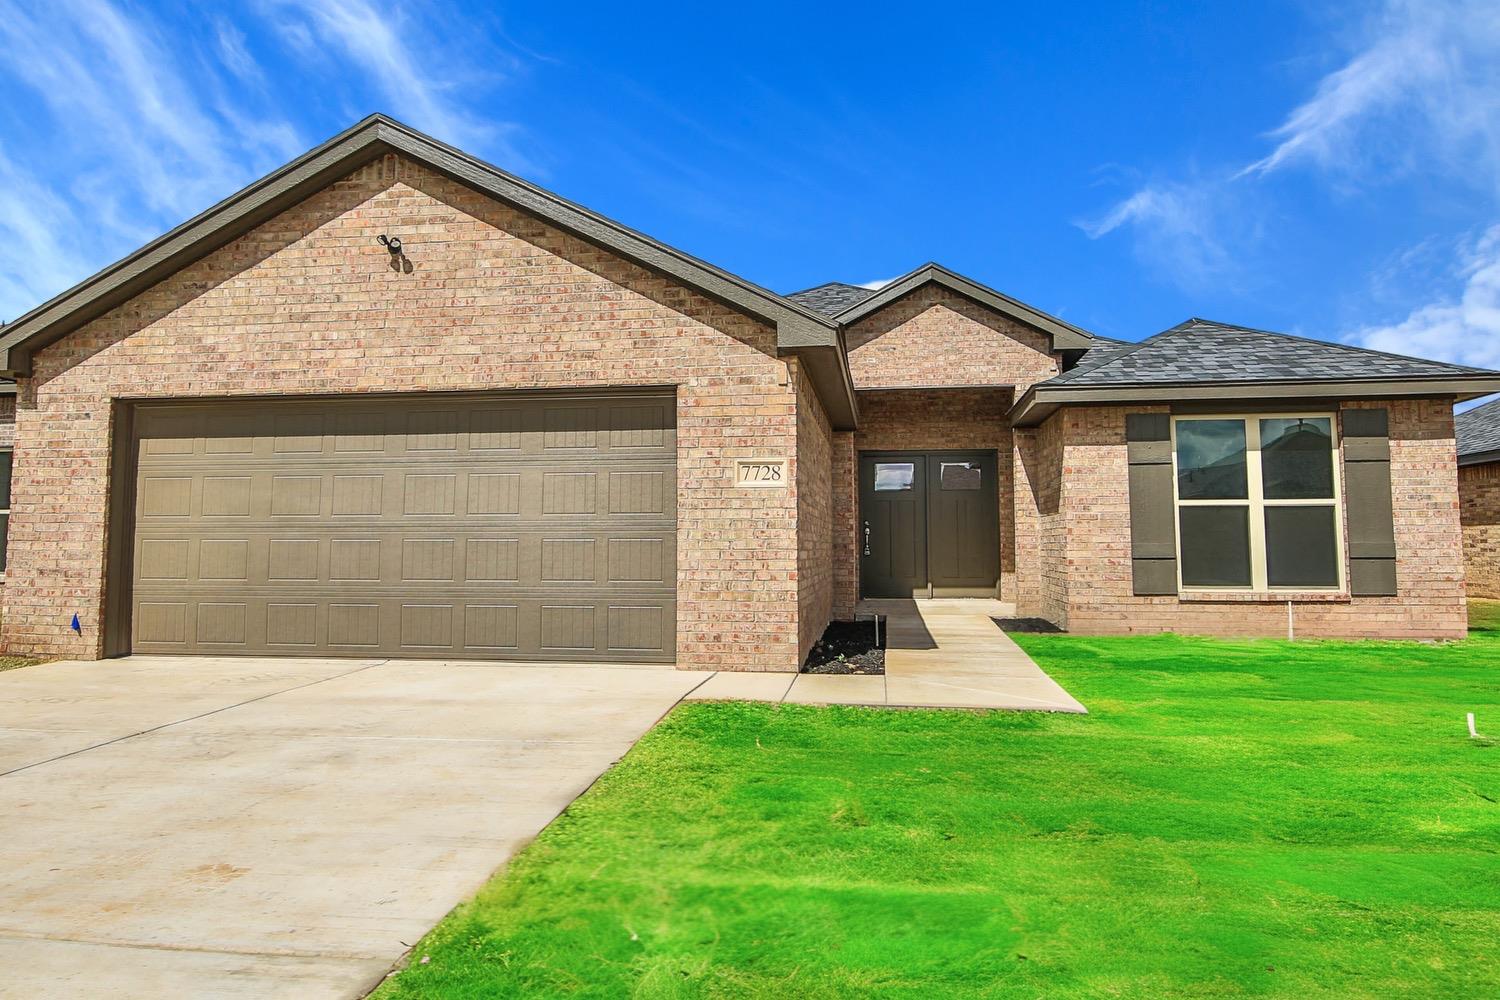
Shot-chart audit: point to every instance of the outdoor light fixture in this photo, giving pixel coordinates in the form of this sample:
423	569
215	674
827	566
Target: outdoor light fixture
391	243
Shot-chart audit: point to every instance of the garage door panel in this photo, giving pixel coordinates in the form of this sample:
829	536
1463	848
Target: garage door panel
508	527
392	558
523	626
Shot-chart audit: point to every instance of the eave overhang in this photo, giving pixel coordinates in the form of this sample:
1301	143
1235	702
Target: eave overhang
1039	402
1479	457
800	332
1064	336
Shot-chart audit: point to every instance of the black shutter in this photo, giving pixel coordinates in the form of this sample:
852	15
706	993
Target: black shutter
1153	531
1367	499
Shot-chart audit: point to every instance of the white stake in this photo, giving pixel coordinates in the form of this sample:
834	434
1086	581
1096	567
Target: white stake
1472	734
1291	634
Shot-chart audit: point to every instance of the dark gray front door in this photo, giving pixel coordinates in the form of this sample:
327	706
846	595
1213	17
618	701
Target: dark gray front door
929	524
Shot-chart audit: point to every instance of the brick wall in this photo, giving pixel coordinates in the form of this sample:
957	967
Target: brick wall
845	513
814	482
1096	522
1479	511
933	337
309	303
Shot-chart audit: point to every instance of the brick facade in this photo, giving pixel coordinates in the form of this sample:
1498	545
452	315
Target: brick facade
934	338
489	298
1094	544
1479	511
494	299
814	484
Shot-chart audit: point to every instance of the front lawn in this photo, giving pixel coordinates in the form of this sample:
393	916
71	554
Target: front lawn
1251	819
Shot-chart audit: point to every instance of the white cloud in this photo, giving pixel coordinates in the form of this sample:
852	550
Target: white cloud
121	145
1175	228
1464	329
39	232
1425	80
876	286
422	82
1420	92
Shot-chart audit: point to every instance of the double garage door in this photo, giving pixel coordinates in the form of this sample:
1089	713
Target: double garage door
517	526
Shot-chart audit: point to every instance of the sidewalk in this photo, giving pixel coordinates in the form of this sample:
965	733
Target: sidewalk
944	653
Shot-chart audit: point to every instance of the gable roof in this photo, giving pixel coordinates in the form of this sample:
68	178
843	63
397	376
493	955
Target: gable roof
1203	359
1478	434
1065	336
831	298
800	331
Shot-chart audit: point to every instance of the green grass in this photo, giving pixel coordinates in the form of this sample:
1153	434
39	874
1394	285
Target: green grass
1234	819
13	662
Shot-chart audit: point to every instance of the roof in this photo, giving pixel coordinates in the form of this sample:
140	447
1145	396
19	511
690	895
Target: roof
1204	359
1479	434
832	298
1202	350
1199	359
800	331
1065	336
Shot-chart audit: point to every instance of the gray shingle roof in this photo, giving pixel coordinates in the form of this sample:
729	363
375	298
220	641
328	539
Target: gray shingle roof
1478	429
1204	352
832	298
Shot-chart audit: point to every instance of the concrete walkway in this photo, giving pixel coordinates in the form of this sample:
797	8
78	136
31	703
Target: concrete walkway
233	828
939	654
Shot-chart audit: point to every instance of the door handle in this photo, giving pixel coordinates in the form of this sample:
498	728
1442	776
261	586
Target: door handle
867	538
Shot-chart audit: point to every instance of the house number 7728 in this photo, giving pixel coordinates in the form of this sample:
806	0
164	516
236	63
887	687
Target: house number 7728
759	472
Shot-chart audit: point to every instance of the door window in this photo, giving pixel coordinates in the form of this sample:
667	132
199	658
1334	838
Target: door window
894	477
959	476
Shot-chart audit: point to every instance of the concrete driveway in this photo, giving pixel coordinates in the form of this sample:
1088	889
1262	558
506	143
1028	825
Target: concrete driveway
234	827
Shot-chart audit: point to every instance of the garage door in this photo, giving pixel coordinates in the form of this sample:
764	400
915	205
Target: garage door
523	526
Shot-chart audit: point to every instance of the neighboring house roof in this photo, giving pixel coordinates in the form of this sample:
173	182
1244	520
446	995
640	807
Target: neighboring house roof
1479	434
800	331
1203	359
1065	336
832	298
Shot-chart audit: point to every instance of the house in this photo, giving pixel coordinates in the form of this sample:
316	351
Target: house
390	400
1479	496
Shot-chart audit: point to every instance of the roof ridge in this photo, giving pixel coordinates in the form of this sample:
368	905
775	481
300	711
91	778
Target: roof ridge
1352	348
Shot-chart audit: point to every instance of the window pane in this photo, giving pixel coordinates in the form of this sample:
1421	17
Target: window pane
1211	460
1215	546
1296	455
893	476
4	538
5	460
1300	547
959	476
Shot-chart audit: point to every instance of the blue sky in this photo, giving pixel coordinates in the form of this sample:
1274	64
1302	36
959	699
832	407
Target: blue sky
1331	170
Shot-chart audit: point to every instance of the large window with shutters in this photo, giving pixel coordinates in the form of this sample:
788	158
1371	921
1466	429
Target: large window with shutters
1257	502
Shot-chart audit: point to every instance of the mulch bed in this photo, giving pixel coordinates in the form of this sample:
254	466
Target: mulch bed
848	648
1025	625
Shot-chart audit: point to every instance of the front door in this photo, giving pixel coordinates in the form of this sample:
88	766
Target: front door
929	524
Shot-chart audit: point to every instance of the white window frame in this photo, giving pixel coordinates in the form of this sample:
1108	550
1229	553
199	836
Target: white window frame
1257	503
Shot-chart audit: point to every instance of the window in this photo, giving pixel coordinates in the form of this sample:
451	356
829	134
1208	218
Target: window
964	476
1257	503
892	477
5	457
